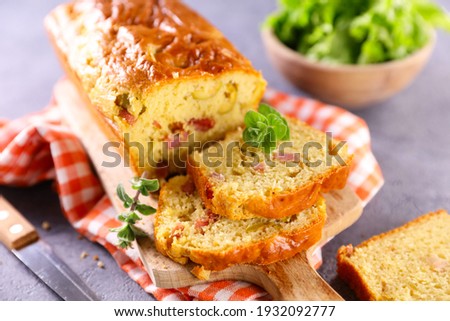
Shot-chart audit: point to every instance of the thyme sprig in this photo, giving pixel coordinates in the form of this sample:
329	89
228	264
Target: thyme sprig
128	232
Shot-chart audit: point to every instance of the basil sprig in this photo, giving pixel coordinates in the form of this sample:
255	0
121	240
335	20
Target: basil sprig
265	128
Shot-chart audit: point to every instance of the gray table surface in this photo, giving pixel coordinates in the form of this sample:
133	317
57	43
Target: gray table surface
409	132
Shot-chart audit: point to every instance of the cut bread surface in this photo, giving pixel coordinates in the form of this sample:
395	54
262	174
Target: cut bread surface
241	183
157	72
411	262
185	230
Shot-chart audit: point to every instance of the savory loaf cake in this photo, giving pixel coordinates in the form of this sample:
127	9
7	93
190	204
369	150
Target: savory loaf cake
242	182
185	230
157	71
411	262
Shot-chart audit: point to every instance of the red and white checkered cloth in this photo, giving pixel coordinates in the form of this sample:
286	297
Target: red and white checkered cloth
38	147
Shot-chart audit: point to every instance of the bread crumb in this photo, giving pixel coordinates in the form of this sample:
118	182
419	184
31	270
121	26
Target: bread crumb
83	255
201	273
95	257
100	265
46	225
349	250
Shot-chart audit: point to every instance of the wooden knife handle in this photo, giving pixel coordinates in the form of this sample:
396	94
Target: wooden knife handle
15	231
296	280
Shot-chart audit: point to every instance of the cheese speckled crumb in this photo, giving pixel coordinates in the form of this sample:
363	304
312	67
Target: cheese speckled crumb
411	262
185	230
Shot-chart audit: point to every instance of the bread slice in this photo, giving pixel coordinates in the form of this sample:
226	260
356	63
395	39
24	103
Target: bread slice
185	230
160	75
242	184
411	262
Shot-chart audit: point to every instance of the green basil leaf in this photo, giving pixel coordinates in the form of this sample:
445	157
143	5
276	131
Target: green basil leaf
151	185
250	136
132	218
277	124
144	191
265	128
261	135
126	234
123	196
252	118
122	217
138	232
145	209
262	126
270	142
124	244
267	110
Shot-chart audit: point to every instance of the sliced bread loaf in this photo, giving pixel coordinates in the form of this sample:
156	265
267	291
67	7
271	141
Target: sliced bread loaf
185	230
411	262
242	182
157	72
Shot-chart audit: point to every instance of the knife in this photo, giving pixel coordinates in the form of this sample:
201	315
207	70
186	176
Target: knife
18	235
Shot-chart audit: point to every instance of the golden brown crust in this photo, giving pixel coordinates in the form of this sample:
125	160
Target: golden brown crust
415	221
144	42
201	180
351	274
279	248
114	49
279	205
108	127
284	204
337	179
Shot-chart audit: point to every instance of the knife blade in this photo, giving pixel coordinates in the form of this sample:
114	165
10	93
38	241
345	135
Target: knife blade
21	238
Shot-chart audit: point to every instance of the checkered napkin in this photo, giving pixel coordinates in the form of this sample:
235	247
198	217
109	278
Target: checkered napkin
38	147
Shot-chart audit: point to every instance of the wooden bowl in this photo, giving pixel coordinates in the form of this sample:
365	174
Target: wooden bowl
351	86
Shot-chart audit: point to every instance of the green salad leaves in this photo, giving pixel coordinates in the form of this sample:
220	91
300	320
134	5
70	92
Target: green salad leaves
357	31
264	128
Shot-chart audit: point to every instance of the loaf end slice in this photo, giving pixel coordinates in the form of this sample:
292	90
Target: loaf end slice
411	262
185	230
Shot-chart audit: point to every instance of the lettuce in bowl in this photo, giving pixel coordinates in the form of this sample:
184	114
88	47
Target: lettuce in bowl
357	31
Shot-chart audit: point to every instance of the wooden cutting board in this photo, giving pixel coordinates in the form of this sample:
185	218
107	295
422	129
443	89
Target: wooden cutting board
292	279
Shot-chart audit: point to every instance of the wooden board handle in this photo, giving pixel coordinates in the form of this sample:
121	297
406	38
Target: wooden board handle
296	280
15	231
